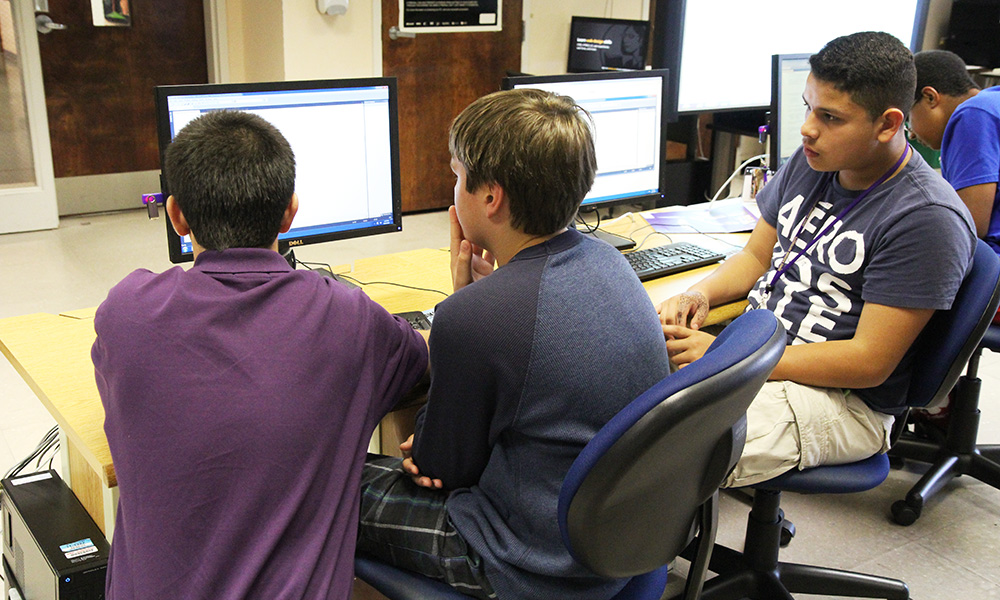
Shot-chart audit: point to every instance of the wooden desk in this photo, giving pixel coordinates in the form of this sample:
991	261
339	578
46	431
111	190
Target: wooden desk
52	354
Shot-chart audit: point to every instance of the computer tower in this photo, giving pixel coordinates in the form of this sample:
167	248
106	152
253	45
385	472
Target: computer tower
974	32
52	549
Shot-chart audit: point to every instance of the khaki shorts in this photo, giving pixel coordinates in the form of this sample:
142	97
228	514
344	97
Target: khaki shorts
790	425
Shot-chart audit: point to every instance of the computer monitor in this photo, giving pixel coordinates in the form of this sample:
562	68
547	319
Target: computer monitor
599	44
345	137
788	81
719	53
629	133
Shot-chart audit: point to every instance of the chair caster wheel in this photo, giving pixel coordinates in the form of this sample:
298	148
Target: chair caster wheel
787	533
904	514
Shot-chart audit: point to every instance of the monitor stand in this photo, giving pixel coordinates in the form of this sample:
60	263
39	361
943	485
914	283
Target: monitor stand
621	243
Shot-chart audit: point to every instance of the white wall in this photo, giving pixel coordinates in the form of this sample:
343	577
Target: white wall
325	47
546	24
256	41
308	45
7	27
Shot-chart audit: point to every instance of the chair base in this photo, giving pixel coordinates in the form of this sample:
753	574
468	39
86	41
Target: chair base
957	453
757	574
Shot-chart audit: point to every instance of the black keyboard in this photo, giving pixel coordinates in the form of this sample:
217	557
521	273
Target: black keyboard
672	258
418	319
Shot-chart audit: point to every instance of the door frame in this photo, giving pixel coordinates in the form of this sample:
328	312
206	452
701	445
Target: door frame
33	206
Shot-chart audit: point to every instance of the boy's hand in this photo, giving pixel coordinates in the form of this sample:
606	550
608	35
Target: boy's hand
687	310
411	468
684	345
469	263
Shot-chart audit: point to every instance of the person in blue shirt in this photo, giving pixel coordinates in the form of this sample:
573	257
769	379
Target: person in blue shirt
952	114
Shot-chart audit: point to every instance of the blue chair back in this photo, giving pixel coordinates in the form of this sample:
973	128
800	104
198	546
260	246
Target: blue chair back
630	500
949	339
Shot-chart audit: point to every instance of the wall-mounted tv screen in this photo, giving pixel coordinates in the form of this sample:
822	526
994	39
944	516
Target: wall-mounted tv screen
597	44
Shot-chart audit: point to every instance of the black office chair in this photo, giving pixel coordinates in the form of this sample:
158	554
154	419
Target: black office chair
953	339
942	350
648	481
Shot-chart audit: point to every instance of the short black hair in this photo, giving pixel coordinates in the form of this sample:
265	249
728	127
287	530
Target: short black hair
233	174
874	68
538	146
944	71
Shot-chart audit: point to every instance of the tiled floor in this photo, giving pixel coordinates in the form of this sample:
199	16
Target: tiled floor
952	552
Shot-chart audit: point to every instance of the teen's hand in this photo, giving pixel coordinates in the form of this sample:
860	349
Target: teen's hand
411	468
469	263
687	310
684	345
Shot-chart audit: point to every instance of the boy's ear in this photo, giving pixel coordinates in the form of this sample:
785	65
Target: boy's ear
176	216
890	123
289	216
931	96
496	200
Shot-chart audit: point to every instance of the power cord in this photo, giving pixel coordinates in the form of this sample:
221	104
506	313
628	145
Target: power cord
738	170
49	443
309	265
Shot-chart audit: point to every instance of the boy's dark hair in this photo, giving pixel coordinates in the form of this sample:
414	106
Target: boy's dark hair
944	71
875	69
232	174
537	146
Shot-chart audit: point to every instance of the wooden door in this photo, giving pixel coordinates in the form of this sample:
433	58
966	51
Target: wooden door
438	75
99	82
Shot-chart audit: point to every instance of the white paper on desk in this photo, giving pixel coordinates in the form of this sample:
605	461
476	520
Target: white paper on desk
725	216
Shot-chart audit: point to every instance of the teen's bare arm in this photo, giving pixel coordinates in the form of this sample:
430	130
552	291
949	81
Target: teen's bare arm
883	336
731	281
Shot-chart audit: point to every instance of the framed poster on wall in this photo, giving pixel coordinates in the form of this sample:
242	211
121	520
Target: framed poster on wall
450	16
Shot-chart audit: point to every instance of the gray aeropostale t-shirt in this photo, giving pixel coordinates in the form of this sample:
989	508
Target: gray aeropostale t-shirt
908	244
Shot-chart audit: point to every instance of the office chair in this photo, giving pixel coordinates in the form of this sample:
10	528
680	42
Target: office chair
757	574
648	480
942	349
952	340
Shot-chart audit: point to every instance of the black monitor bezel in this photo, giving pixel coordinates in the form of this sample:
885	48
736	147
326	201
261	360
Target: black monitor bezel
670	16
664	75
607	21
164	138
773	132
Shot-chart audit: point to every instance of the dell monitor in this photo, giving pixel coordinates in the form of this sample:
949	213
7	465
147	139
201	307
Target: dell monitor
598	44
629	117
719	53
345	137
788	81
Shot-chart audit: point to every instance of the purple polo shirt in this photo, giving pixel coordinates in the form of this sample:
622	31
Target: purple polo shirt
239	398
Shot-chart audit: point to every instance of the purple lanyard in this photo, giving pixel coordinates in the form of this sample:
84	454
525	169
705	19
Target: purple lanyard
783	268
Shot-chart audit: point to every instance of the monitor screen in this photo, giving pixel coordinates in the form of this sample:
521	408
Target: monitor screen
788	81
597	44
719	53
345	137
628	111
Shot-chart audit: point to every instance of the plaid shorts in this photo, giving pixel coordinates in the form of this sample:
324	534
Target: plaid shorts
406	525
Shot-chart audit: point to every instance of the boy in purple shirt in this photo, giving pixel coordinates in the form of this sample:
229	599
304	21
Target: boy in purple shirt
240	395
